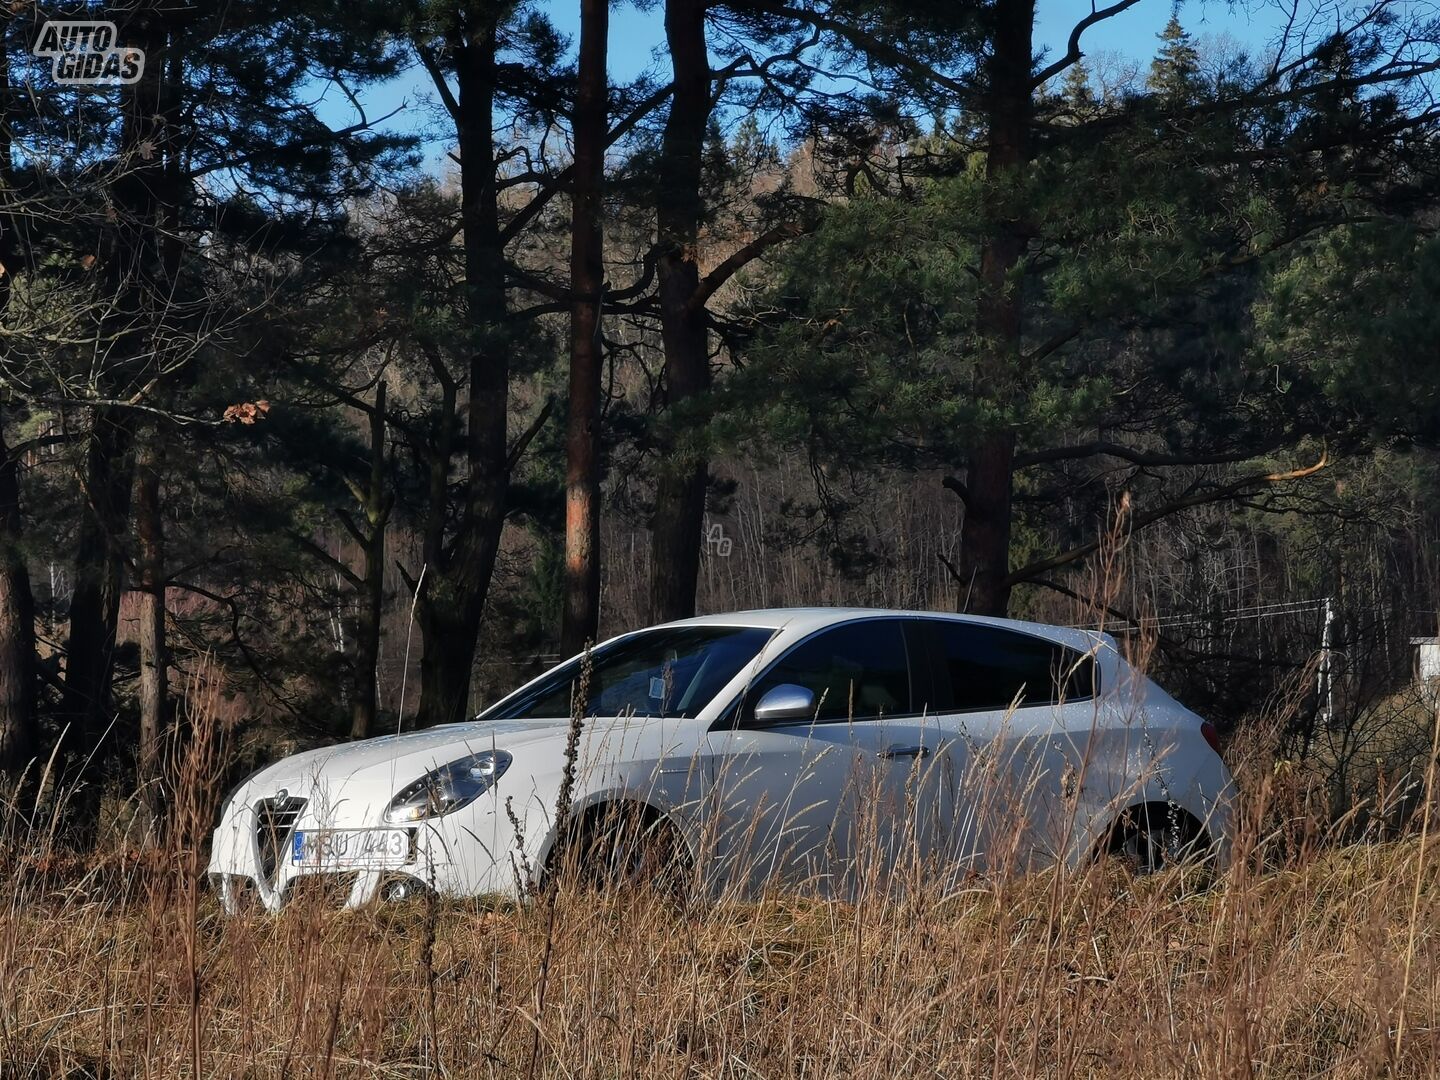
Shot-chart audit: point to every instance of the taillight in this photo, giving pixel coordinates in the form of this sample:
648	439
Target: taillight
1211	736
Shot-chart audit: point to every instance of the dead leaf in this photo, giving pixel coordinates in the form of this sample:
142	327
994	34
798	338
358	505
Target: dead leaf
247	412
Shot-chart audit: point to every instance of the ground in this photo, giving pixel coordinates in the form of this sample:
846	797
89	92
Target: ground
1326	964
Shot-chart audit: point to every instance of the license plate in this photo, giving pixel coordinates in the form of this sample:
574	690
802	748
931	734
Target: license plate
353	847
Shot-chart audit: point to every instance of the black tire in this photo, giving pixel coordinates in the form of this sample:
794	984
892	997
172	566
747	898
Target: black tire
618	848
1153	837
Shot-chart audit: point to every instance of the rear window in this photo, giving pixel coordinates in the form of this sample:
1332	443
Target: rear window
988	668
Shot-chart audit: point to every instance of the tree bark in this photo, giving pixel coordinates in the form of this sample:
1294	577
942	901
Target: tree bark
581	618
17	628
372	600
154	649
133	264
457	571
99	577
984	561
17	602
679	515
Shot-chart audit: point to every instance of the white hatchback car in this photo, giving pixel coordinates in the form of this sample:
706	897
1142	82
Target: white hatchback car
789	747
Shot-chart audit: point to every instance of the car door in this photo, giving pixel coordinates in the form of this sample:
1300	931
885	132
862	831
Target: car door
1016	714
844	794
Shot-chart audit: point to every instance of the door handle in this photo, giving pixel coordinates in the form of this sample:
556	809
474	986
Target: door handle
890	753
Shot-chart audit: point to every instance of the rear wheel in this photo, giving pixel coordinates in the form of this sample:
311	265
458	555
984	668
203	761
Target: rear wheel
1153	837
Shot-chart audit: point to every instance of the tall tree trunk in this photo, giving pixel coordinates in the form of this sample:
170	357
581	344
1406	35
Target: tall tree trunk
457	573
17	602
132	263
984	561
680	483
372	600
581	617
167	252
105	488
17	628
154	650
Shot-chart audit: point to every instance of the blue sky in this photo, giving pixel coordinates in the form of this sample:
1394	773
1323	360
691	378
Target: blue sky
635	37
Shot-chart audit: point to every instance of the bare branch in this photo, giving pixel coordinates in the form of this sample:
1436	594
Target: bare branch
528	435
317	552
1145	459
1072	49
1140	521
714	280
515	225
955	484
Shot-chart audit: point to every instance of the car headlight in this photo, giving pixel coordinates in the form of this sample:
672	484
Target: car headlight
448	787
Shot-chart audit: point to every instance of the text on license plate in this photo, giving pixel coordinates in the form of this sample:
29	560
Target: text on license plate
353	847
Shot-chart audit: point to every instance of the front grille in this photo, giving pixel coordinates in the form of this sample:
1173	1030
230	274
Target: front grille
274	824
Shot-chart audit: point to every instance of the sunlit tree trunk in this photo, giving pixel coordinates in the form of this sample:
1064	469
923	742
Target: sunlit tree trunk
154	648
587	274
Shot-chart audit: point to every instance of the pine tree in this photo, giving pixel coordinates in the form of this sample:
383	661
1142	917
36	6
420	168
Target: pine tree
992	305
1175	72
1076	92
174	167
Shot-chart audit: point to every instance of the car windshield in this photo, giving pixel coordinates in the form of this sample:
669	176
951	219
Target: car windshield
668	672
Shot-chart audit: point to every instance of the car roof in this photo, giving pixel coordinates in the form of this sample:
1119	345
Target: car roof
809	619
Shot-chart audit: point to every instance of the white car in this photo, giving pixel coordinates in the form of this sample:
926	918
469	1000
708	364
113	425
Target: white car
806	747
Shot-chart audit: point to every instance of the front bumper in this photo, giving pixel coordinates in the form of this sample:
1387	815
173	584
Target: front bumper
469	853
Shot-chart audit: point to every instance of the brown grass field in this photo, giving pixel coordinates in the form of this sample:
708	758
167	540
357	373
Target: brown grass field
1310	955
1321	962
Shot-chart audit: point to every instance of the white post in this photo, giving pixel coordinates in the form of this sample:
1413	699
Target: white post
1326	685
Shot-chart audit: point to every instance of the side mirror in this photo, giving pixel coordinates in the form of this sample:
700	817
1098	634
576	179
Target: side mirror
785	702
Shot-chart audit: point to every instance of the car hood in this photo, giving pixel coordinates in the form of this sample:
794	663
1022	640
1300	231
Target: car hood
384	764
434	746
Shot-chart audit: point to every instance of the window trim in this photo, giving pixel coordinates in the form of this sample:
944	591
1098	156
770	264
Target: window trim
940	676
732	717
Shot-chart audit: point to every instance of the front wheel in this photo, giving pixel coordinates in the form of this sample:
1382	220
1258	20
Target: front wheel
617	849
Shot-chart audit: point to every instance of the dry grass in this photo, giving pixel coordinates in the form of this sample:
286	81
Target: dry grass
1294	971
1303	958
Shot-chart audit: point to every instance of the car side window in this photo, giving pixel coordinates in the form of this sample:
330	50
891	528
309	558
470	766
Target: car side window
988	668
858	671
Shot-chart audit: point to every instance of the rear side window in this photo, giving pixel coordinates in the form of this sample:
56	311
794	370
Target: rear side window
857	671
987	668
